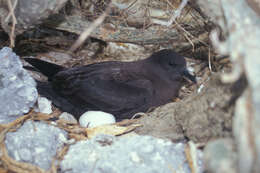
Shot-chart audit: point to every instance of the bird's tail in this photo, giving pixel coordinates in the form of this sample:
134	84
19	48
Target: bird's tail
45	89
46	68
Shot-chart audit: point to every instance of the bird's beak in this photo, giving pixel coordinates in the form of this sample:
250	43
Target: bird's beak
188	76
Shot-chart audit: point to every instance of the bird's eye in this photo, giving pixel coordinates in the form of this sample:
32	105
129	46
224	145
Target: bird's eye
172	63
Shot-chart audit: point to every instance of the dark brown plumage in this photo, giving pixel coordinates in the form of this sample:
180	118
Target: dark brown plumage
119	88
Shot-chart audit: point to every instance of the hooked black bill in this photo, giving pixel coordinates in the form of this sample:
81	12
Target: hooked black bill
188	76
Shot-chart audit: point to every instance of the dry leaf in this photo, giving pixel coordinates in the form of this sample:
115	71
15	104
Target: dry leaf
110	130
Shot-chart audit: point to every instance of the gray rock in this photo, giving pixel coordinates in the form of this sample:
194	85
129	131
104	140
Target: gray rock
220	156
43	105
18	91
241	33
28	13
129	154
244	134
68	117
36	143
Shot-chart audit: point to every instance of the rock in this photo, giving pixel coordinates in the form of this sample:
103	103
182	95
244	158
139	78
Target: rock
220	156
129	154
18	91
68	117
43	106
36	143
28	13
245	135
243	52
96	118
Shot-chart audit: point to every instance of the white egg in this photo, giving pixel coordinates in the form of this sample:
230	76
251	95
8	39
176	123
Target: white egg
96	118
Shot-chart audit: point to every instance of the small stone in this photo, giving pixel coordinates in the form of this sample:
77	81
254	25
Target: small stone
68	117
44	105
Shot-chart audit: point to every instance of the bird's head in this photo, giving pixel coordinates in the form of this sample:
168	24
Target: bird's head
172	64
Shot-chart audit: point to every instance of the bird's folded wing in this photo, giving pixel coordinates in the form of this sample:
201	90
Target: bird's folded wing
101	90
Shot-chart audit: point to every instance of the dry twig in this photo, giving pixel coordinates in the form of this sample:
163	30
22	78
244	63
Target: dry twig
11	8
85	34
174	15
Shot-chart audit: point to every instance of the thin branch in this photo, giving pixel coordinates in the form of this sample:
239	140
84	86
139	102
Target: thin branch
175	14
188	33
14	21
209	59
85	34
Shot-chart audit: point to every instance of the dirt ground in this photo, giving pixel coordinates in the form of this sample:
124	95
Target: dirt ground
200	117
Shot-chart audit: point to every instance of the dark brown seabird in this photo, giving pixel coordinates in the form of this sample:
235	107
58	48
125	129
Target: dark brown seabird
119	88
